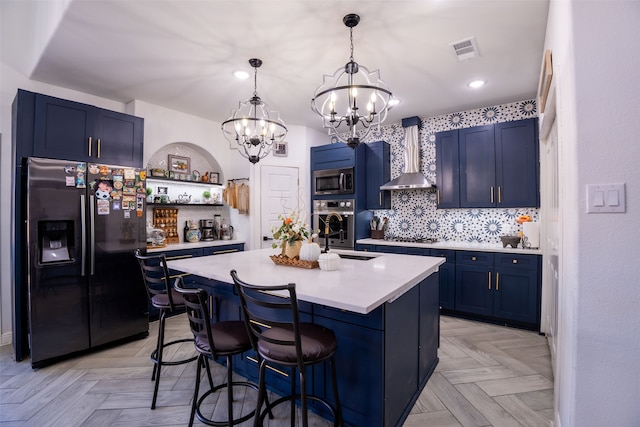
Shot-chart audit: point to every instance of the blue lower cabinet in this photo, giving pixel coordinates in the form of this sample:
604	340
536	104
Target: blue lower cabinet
447	278
498	287
359	361
502	287
383	358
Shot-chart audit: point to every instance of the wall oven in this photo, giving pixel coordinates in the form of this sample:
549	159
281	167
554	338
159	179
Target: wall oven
333	181
341	233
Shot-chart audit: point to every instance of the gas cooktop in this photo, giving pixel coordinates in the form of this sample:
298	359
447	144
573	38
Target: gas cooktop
413	239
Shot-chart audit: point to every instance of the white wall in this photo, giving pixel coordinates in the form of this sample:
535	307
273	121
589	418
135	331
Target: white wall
598	374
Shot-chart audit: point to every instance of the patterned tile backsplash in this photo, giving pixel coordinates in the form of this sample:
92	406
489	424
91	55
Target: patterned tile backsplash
413	213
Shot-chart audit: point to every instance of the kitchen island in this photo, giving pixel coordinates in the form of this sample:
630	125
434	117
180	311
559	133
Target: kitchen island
383	310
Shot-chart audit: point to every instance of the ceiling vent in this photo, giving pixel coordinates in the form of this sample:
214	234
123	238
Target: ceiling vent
465	49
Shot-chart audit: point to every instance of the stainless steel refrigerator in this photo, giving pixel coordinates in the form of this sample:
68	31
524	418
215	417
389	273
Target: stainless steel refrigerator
84	222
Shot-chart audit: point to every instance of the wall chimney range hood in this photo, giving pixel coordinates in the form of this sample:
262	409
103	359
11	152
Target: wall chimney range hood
411	178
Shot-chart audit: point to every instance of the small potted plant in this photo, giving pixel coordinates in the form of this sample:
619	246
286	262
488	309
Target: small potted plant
149	195
207	196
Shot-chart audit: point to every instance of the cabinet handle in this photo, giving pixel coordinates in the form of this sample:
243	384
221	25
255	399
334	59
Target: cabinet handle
284	374
380	198
497	281
515	261
491	194
228	251
438	192
98	147
172	258
489	280
174	276
89	146
473	258
499	194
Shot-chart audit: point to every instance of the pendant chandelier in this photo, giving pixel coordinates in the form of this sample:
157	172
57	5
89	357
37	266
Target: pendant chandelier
253	126
338	100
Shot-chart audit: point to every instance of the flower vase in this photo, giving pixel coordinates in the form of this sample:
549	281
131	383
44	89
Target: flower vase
293	250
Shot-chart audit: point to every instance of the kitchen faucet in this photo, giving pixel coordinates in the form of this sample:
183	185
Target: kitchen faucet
327	220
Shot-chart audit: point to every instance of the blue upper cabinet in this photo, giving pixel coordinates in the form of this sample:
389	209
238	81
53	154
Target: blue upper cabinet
332	156
448	170
74	131
378	172
477	167
517	164
492	166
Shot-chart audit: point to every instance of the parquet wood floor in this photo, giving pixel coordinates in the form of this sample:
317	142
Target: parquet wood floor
487	376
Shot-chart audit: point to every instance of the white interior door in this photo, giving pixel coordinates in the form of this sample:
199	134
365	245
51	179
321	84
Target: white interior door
279	194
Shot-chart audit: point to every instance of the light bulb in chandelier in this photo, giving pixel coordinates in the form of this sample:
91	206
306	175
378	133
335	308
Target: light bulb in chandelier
254	128
337	99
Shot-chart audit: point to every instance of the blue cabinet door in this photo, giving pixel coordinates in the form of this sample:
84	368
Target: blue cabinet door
477	167
332	156
64	129
517	164
447	170
120	138
474	290
516	295
360	356
447	278
74	131
378	172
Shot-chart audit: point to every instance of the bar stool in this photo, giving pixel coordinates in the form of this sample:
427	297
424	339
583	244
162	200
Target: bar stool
156	280
278	336
221	339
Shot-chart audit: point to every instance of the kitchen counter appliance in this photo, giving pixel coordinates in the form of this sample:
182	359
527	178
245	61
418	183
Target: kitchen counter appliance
84	287
341	233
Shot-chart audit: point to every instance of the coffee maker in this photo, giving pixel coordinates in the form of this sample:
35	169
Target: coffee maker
207	229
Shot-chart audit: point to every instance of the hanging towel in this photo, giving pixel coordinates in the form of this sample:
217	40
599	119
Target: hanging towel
229	194
243	199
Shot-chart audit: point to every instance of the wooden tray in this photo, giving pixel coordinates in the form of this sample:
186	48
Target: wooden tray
294	262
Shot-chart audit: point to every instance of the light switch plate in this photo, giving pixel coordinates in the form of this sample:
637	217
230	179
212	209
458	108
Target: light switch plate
606	198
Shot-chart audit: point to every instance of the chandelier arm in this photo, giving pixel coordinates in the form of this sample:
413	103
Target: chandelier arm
358	86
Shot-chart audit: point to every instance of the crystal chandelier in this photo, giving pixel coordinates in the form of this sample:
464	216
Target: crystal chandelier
253	126
336	100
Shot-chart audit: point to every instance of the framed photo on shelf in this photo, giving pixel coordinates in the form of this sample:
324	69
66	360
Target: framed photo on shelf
179	164
163	190
214	177
280	149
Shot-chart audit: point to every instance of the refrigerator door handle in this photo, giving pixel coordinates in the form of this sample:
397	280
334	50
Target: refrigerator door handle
83	228
92	221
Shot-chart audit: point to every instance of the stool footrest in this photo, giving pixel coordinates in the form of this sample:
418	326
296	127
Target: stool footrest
209	422
154	354
289	398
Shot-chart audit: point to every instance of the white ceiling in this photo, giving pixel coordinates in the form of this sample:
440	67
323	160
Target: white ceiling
181	54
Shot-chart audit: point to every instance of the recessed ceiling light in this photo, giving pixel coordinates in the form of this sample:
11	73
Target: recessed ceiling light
476	84
242	75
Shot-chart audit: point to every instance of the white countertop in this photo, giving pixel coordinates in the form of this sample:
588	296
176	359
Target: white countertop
196	245
358	286
451	245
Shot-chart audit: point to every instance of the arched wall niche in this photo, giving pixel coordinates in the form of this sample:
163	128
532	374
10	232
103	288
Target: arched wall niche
200	159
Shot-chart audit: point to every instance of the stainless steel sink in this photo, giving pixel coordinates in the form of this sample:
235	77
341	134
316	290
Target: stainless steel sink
357	257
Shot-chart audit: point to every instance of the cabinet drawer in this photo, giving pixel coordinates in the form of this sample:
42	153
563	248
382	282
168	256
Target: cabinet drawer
181	254
475	258
418	251
219	250
529	262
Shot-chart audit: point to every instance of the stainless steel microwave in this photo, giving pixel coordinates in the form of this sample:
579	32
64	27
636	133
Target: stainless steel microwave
333	181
